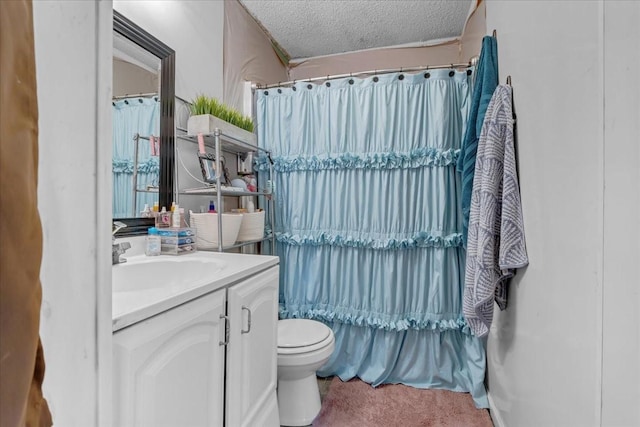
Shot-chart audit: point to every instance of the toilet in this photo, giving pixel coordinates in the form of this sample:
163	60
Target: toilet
303	347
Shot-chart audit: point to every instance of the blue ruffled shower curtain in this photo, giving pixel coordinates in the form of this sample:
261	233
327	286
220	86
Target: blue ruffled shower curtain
131	116
368	223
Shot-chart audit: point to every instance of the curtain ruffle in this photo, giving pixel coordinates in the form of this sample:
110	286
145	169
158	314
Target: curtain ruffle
448	360
151	165
367	221
422	239
421	157
395	322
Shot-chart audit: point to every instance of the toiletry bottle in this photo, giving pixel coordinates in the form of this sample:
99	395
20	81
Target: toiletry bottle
165	218
175	218
212	208
146	212
156	210
173	206
183	219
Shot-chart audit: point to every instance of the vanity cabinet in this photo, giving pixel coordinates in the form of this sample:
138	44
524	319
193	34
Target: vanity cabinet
209	362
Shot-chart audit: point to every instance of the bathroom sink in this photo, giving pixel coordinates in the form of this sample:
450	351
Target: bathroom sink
146	286
141	273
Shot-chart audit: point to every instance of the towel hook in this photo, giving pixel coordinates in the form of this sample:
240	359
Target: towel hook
509	80
495	34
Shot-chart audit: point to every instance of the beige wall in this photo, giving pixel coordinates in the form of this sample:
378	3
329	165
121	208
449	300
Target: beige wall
130	79
248	55
459	50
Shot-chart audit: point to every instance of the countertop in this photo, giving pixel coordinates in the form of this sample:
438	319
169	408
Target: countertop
130	307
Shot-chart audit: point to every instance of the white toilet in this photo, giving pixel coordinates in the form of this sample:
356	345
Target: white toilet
303	347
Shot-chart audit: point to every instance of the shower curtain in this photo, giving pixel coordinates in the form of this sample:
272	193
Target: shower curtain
368	223
131	116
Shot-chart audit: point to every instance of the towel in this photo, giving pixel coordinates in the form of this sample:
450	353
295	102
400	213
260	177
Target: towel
496	244
486	80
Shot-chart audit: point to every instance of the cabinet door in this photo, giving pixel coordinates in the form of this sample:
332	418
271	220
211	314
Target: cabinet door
252	354
169	369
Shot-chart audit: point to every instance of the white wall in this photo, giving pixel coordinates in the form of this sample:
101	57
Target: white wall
194	29
575	77
73	60
74	73
621	296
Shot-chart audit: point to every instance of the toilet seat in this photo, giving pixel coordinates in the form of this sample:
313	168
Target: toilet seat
296	336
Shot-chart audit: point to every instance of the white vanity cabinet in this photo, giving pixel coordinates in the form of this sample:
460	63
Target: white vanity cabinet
169	370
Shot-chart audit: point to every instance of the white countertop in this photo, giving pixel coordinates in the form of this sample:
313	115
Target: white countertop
132	306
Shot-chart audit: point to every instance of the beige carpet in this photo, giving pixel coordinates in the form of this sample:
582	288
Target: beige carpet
357	404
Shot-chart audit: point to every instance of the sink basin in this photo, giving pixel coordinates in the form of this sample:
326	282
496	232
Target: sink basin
150	273
146	286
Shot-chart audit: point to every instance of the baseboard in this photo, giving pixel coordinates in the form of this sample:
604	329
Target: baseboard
495	414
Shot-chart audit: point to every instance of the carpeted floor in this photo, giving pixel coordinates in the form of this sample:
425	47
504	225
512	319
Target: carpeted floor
357	404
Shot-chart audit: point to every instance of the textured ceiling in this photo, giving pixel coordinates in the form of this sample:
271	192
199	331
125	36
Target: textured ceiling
308	28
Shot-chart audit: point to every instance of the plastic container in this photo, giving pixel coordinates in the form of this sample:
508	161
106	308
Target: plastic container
177	241
153	243
206	226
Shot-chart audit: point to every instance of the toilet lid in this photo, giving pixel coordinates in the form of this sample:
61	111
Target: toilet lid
301	332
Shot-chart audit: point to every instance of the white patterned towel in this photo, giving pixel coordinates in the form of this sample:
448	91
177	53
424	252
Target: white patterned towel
496	244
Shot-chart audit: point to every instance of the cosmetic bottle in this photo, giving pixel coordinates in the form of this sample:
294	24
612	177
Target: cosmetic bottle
165	218
156	210
183	219
175	218
146	212
212	208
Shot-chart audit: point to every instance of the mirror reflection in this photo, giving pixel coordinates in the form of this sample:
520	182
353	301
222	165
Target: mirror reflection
136	129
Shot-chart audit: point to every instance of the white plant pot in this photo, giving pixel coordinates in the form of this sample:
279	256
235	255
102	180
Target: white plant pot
207	124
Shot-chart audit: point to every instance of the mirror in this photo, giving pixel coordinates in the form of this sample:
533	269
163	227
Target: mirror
144	55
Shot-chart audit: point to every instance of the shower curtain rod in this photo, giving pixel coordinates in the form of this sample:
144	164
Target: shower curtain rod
136	95
471	63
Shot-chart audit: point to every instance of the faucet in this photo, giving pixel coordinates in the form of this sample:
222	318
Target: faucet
118	249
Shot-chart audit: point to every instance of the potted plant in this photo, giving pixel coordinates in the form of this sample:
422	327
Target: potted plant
208	113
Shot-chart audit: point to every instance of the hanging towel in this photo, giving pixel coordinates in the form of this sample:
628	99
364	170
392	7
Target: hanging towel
496	245
486	80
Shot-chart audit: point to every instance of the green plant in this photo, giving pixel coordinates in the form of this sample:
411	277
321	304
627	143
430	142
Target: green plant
206	105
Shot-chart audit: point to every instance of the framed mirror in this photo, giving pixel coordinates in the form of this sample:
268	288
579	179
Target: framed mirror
161	186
